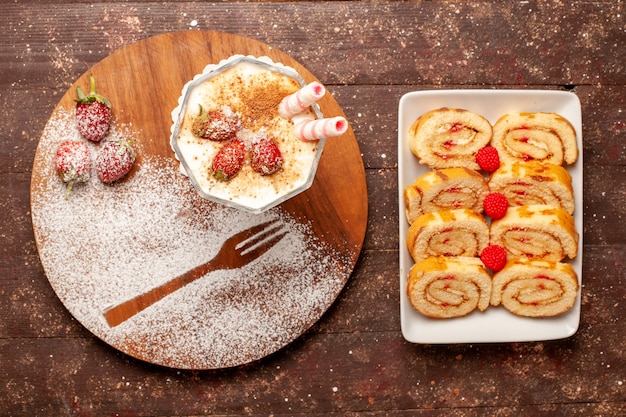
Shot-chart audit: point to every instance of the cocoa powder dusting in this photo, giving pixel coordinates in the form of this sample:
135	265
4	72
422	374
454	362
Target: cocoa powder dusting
261	100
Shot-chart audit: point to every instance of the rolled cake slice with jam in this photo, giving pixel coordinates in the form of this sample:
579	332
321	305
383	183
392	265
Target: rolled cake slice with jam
535	288
445	189
460	232
447	137
537	232
538	136
446	287
527	183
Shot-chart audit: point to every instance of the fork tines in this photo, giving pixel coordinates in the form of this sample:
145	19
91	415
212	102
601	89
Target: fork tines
262	237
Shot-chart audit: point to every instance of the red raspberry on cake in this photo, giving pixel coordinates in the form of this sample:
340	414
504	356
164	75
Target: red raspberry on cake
73	163
494	257
495	205
115	159
488	159
93	113
229	160
217	125
265	156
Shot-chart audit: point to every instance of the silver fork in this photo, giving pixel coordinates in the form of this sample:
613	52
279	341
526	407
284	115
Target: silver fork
237	251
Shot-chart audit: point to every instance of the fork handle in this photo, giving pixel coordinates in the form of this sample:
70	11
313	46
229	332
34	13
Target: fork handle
119	313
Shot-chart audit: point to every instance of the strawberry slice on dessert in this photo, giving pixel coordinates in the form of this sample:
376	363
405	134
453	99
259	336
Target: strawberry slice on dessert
265	157
229	160
93	113
216	125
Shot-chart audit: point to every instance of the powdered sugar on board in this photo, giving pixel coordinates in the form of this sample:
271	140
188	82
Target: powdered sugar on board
108	243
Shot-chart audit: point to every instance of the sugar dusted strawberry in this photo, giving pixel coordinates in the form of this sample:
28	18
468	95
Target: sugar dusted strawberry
93	113
493	257
495	205
73	163
217	125
115	159
229	160
265	157
488	159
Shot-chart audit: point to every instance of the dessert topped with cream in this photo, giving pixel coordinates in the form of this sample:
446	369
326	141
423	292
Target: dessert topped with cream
230	115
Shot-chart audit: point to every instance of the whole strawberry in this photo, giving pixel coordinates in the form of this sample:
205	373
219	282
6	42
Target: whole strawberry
93	113
114	160
73	163
265	157
228	161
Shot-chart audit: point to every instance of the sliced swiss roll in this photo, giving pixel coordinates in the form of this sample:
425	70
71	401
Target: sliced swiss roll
460	232
535	288
446	137
442	287
539	136
526	183
445	189
537	232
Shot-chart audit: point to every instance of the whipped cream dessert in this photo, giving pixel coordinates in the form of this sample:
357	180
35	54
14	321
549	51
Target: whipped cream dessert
249	92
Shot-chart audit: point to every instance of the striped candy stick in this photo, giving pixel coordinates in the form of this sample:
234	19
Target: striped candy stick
315	129
297	102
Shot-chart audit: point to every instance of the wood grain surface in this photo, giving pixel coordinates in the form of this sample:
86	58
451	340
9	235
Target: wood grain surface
354	361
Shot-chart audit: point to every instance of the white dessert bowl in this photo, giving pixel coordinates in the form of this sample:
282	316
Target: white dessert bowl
238	82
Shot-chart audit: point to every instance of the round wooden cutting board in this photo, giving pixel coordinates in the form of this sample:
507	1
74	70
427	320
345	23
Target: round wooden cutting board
105	244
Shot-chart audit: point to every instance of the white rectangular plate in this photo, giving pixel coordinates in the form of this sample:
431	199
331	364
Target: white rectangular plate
496	324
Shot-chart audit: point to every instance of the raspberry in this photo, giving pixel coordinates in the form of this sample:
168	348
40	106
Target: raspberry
487	158
495	205
494	257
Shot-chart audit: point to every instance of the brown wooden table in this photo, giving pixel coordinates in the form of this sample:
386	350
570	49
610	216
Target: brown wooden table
354	361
